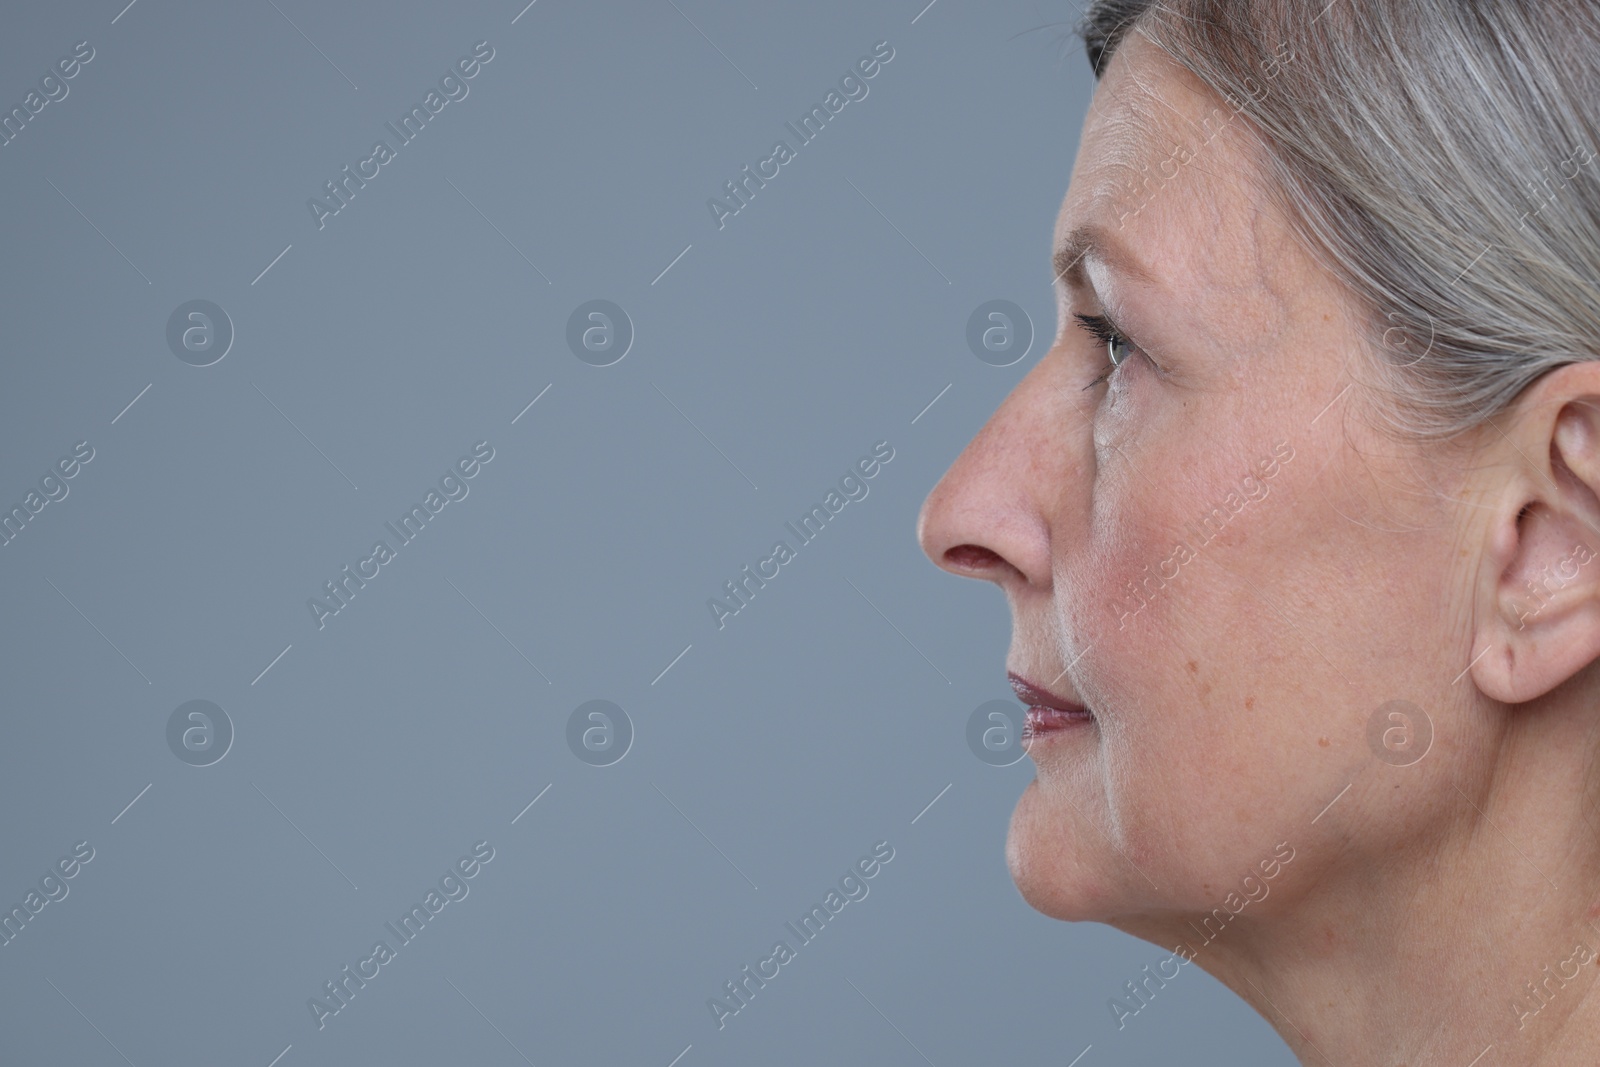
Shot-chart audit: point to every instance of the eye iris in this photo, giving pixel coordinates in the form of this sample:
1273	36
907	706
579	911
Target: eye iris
1117	350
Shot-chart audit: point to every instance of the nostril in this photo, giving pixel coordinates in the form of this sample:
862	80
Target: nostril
972	558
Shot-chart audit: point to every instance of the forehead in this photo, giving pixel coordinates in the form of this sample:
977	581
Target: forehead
1166	169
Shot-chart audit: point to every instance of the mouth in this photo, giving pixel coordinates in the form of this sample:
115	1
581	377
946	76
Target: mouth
1048	715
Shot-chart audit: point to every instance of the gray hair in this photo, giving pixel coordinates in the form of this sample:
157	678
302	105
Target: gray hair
1439	155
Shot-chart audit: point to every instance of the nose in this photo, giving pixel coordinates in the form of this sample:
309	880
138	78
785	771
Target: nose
990	515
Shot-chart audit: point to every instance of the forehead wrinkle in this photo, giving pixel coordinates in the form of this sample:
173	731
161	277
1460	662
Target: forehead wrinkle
1206	230
1147	64
1131	123
1227	181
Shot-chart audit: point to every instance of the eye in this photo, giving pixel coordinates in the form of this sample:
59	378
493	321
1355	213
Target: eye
1117	346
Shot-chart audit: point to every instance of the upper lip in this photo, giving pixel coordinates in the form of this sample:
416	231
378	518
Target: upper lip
1034	696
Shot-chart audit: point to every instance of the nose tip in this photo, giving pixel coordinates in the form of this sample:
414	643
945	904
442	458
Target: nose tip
942	541
980	522
990	517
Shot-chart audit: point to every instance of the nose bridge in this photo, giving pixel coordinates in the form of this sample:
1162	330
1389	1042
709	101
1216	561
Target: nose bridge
992	507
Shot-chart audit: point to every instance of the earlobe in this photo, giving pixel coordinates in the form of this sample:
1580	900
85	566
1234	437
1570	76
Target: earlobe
1544	624
1539	618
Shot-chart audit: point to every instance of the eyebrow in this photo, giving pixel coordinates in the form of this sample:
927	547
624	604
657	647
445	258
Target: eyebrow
1094	242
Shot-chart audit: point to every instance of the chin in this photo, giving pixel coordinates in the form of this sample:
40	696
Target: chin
1052	863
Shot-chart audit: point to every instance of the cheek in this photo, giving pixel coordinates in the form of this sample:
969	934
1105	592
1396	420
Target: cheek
1193	677
1163	577
1115	572
1165	600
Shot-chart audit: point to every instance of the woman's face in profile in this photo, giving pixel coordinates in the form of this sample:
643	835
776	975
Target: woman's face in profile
1174	540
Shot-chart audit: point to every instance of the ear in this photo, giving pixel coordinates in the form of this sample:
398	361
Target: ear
1539	614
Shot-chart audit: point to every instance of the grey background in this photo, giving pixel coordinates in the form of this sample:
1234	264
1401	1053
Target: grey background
408	728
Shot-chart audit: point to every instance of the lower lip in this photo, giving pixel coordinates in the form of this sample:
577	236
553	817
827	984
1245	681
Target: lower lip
1042	722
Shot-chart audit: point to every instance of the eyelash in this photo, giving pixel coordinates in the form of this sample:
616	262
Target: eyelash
1107	333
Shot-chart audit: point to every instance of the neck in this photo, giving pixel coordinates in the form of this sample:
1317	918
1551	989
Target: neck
1478	927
